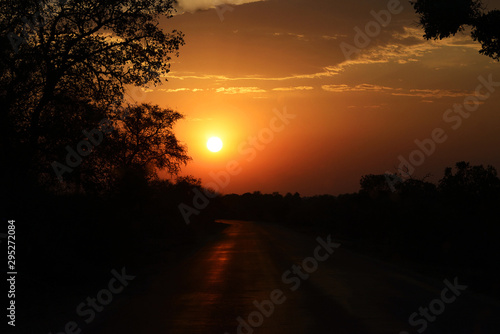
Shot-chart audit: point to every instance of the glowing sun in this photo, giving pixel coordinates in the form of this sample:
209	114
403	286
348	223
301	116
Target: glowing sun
214	144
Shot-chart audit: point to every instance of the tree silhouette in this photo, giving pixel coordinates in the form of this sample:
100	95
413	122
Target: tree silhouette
89	50
139	143
374	185
444	18
487	32
144	140
473	182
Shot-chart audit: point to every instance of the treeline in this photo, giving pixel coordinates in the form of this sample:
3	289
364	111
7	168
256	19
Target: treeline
69	242
449	227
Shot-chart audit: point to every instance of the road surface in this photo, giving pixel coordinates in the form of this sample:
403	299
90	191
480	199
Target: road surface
249	281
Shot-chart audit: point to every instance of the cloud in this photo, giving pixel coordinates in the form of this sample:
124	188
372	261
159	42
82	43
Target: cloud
289	89
404	47
434	93
301	37
342	88
194	5
373	106
327	72
425	94
411	35
234	90
357	88
176	90
334	37
239	90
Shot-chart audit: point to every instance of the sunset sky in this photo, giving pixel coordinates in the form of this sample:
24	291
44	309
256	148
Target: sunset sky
246	63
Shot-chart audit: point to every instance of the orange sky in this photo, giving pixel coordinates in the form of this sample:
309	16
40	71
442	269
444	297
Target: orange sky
242	65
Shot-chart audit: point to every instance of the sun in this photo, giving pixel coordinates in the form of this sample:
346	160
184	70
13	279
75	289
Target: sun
214	144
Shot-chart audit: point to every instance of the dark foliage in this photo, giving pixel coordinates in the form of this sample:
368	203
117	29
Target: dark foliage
448	229
444	18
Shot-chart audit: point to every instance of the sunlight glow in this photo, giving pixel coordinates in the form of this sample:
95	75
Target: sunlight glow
214	144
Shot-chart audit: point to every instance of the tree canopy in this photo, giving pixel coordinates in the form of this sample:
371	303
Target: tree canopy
145	139
64	65
472	181
444	18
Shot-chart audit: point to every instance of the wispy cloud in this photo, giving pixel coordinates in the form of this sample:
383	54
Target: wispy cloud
426	94
289	89
194	5
434	93
291	34
327	72
357	88
406	47
334	37
373	106
177	90
239	90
